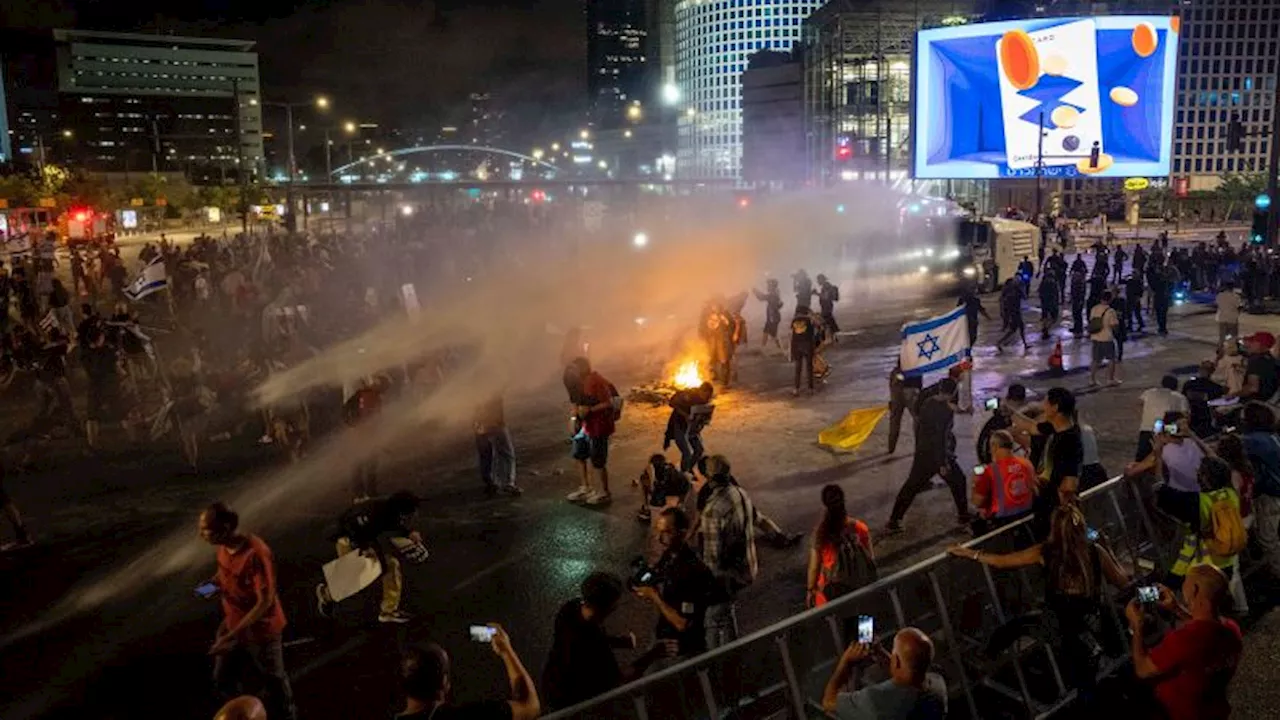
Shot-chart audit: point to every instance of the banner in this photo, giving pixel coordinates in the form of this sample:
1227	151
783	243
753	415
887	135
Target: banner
934	344
153	278
853	430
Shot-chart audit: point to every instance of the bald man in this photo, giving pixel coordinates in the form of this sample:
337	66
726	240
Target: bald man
910	692
1193	664
245	707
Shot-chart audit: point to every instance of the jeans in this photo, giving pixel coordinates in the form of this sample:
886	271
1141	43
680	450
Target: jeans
264	659
1162	315
1266	513
392	576
722	624
691	449
497	458
919	479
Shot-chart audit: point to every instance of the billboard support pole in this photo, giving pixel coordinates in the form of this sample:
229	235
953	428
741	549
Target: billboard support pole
1039	168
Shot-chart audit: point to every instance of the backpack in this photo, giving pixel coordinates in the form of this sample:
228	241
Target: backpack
835	293
854	567
617	401
1226	536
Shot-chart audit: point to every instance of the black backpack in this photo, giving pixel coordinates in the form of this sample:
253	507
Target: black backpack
854	567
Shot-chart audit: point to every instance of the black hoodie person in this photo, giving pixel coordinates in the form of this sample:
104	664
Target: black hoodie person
772	312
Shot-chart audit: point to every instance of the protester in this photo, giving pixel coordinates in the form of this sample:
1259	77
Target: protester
1092	473
691	411
427	682
904	392
496	452
910	693
1016	399
935	454
1075	568
1192	665
102	366
595	411
973	308
1058	463
22	536
772	313
726	533
1260	377
1175	454
1262	447
1003	487
248	640
1102	327
381	529
1011	315
364	403
582	664
1228	313
1156	403
804	346
828	295
682	588
841	557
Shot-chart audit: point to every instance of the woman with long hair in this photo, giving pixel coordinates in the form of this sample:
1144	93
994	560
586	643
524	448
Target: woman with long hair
1231	449
1075	568
835	529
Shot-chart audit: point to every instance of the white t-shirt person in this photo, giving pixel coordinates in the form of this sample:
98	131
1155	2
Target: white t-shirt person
1158	401
1228	307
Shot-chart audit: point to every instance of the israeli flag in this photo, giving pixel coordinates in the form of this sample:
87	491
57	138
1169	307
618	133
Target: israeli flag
18	244
153	278
934	344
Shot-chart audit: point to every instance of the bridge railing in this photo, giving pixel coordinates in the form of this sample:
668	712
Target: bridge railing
780	671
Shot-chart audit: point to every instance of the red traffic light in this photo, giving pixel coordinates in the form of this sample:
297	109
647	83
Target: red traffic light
538	196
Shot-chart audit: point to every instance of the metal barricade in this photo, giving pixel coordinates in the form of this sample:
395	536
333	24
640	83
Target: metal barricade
780	671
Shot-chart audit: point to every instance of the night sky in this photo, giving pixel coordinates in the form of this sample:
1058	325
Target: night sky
408	63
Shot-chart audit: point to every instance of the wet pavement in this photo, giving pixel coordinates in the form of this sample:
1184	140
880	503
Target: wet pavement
512	561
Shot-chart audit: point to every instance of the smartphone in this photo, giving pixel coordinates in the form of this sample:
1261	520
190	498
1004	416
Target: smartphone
207	590
1091	534
482	633
1171	429
1158	426
979	469
866	630
1148	594
992	403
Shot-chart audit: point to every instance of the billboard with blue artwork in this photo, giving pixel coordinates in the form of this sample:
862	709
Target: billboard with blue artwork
1081	97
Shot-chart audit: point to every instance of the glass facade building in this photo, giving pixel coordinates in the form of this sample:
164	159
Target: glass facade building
713	40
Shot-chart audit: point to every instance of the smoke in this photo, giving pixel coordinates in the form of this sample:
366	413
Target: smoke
501	320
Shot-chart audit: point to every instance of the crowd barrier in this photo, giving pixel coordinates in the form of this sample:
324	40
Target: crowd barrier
780	671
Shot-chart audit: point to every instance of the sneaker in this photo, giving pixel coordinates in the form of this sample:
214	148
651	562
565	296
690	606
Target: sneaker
512	490
399	617
580	495
266	439
324	603
599	498
644	515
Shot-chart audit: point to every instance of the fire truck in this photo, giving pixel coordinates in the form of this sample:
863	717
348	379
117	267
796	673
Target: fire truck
84	226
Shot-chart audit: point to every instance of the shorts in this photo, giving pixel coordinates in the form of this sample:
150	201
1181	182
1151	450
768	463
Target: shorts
105	404
1104	350
595	449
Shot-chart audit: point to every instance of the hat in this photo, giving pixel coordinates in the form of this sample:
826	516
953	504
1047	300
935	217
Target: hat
1264	339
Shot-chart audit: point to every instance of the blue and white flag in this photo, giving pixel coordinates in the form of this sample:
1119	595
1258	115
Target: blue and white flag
18	244
153	278
934	344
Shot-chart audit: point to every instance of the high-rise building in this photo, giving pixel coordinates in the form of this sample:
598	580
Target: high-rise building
713	40
6	154
131	102
618	67
484	123
1226	69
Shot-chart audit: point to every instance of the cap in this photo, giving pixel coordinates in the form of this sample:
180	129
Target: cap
1264	339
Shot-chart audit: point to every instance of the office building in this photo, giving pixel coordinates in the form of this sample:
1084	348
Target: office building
485	121
134	103
713	40
1226	67
773	126
618	68
858	84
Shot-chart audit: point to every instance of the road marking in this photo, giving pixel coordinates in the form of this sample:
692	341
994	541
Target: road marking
492	569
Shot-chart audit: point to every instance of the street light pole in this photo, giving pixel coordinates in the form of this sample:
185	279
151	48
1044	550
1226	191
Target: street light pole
1273	213
328	157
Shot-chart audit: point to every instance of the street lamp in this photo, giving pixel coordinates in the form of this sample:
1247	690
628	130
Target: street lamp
555	147
537	153
67	133
670	94
584	134
321	102
634	112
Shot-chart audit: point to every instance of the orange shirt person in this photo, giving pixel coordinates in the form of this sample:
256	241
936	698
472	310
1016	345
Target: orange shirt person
1004	489
249	637
826	578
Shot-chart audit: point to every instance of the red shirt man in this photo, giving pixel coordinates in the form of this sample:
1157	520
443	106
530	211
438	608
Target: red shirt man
1192	666
598	423
243	575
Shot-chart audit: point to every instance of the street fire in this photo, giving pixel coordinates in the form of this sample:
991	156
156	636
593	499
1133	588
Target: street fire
687	375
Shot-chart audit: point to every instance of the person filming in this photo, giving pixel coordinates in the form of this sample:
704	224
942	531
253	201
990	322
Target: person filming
680	586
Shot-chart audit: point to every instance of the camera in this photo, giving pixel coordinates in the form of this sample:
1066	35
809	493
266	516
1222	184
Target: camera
642	575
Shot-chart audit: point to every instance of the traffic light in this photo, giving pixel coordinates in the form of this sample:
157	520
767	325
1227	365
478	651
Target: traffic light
1258	233
1235	134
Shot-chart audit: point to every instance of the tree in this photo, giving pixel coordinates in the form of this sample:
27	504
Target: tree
1236	190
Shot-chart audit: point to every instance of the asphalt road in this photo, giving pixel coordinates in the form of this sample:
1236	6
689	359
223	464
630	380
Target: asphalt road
140	652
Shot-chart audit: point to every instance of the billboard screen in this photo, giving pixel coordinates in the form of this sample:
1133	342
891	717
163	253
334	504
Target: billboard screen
1099	89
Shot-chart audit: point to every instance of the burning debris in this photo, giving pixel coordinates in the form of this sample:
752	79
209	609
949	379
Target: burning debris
687	374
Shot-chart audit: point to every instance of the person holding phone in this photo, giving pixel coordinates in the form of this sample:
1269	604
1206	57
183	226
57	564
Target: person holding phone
427	682
910	693
683	589
1060	457
249	637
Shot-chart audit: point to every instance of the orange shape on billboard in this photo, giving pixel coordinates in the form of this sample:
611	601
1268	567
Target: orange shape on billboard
1020	60
1144	39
